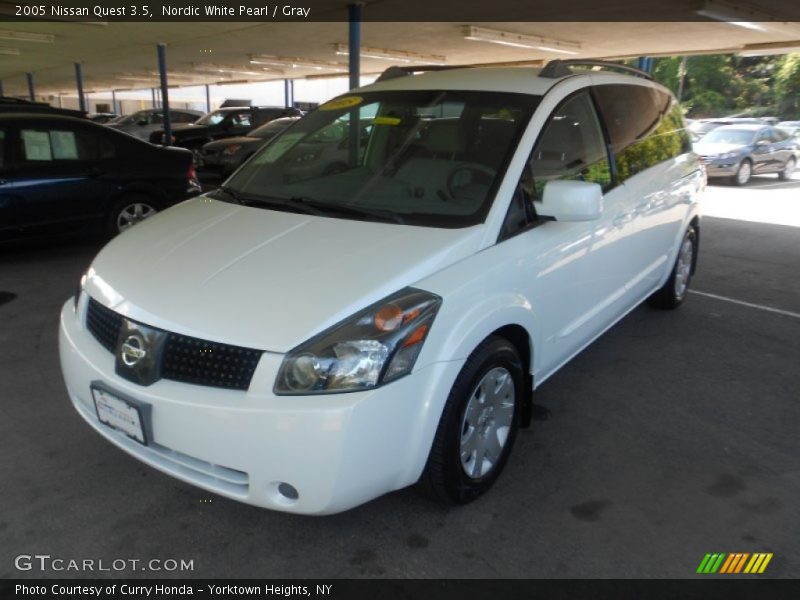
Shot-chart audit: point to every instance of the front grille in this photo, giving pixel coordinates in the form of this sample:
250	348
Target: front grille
185	359
192	360
103	323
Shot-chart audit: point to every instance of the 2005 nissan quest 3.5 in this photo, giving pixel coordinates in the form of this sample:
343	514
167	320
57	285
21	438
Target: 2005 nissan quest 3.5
371	299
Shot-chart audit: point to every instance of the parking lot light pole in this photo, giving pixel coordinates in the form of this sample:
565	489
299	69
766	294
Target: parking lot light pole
79	84
31	90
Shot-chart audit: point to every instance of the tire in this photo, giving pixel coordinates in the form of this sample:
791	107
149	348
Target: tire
788	169
743	173
129	210
673	292
474	426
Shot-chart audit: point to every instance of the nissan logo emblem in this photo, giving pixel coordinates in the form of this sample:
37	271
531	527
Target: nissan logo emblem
132	350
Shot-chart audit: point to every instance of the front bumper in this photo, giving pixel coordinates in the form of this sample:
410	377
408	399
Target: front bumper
337	451
716	167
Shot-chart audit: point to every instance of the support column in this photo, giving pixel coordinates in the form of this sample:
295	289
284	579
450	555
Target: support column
31	90
288	93
79	85
153	96
354	44
114	103
1	88
162	69
208	99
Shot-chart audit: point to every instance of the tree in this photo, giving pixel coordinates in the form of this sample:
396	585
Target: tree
787	86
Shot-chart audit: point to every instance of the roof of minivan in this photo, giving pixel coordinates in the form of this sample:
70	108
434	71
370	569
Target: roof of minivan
522	80
743	126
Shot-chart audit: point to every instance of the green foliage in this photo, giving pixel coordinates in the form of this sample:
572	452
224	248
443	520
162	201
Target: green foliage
727	84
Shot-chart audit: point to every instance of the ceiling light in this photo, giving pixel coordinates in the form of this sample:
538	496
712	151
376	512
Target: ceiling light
733	14
518	40
217	68
26	36
9	51
294	63
401	56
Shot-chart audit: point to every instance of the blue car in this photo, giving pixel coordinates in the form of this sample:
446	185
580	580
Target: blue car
737	152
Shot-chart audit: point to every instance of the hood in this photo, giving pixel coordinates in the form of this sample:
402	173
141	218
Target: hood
260	278
225	142
715	148
186	126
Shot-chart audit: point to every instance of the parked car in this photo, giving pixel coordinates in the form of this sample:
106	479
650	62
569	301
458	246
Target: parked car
324	153
309	345
228	154
701	127
102	118
738	152
143	123
58	172
222	123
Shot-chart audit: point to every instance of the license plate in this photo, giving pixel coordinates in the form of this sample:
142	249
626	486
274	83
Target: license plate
119	414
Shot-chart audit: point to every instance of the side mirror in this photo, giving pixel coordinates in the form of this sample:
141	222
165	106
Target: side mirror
571	201
762	143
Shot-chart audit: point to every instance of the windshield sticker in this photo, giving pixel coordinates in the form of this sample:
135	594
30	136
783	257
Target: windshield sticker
278	148
340	103
386	121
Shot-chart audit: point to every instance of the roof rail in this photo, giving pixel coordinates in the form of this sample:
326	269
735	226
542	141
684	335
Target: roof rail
395	71
562	68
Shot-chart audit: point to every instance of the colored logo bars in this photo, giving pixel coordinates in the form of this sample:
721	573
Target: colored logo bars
737	562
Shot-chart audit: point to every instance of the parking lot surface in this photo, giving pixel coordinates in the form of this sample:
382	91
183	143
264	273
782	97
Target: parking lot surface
673	435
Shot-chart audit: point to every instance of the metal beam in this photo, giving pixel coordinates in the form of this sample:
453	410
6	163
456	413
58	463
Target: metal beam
162	69
354	44
31	90
79	84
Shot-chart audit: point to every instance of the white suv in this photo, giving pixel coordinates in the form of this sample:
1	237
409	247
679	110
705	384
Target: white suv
307	339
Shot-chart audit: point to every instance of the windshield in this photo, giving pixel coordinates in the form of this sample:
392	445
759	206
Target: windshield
128	119
211	118
431	158
271	129
740	137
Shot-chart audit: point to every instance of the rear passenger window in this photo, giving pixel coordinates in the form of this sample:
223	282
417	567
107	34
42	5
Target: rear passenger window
571	146
645	126
46	145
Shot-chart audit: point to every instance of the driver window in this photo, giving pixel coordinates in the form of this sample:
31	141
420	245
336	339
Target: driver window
571	146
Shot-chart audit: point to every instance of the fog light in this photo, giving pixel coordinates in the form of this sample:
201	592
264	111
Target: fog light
288	491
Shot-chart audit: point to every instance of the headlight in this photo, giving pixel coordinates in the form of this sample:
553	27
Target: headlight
232	149
727	155
376	345
78	291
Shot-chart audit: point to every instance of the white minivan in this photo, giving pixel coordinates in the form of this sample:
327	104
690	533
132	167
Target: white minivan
307	339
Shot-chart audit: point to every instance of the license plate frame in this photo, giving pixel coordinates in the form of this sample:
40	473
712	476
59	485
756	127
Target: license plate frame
117	412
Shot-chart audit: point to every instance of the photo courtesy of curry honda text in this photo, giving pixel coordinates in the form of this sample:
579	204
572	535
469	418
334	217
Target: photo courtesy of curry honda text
308	338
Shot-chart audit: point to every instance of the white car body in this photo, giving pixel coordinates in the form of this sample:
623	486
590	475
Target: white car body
267	282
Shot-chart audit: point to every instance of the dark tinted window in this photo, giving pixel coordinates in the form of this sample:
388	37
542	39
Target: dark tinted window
182	117
2	148
645	126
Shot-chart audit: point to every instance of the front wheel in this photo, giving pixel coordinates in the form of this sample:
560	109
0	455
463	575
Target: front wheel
673	292
478	425
788	169
744	172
